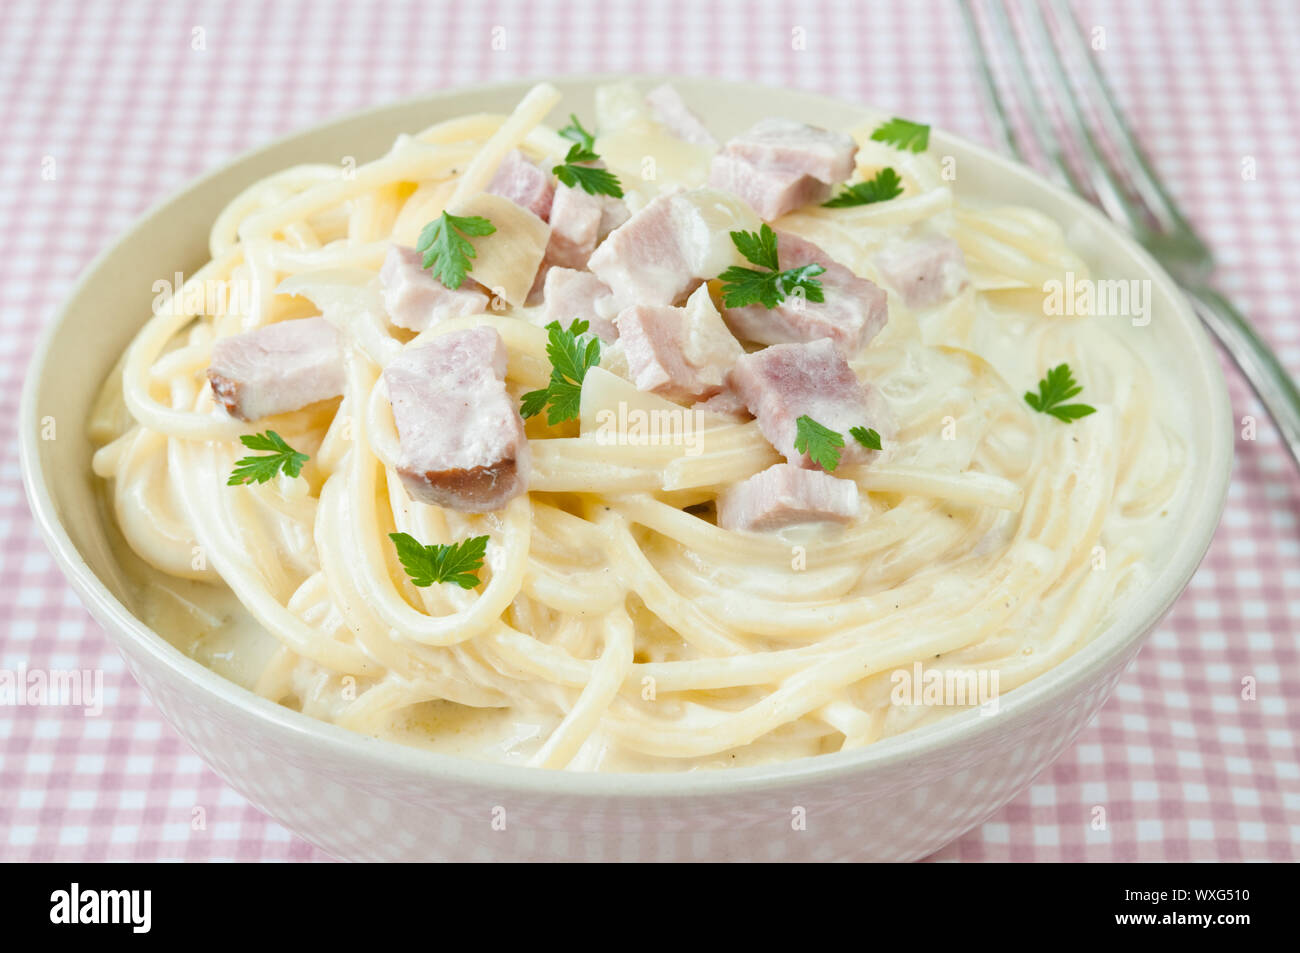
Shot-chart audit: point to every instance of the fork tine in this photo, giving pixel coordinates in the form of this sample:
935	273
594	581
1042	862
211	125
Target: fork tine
1029	98
1145	181
988	86
1105	185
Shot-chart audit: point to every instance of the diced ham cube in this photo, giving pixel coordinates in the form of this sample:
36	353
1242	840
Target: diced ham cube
853	312
782	383
924	271
578	222
683	354
416	300
726	403
524	184
798	147
461	437
575	225
771	192
668	107
780	165
277	368
613	213
783	495
570	295
651	343
666	249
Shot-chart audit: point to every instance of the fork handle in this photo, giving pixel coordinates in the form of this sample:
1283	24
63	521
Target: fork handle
1265	374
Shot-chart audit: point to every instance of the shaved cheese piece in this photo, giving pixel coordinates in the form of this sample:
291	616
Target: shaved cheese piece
619	105
650	151
632	140
339	293
603	391
507	260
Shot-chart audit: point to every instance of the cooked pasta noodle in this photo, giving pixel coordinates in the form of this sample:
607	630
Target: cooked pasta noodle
617	627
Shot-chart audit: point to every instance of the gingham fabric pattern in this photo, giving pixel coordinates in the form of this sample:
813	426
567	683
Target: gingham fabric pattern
126	101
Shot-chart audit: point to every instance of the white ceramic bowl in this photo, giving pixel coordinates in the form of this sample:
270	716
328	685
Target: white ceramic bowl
359	798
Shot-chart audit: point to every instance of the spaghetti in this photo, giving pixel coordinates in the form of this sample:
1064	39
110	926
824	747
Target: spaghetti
617	627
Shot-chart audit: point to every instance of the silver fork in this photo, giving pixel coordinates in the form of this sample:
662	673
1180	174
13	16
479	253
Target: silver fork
1126	187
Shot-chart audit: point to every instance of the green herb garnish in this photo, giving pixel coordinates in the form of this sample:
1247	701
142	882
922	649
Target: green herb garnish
822	444
446	249
571	358
575	133
885	186
770	286
903	134
453	562
1058	386
282	458
590	179
866	436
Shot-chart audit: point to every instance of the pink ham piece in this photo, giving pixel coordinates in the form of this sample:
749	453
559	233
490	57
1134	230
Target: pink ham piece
797	147
780	165
578	222
613	213
416	300
667	248
783	495
570	295
853	313
784	382
683	354
460	435
726	403
772	192
277	368
924	271
575	226
523	183
669	109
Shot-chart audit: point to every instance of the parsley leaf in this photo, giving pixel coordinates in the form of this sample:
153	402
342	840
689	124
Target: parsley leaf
446	249
885	186
822	444
453	562
571	358
263	468
745	286
758	247
590	179
575	133
866	436
535	401
903	134
1059	385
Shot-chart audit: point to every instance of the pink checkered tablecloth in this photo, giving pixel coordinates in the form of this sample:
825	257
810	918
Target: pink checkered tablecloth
128	106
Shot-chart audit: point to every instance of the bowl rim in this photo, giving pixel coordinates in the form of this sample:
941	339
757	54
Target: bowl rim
1126	629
